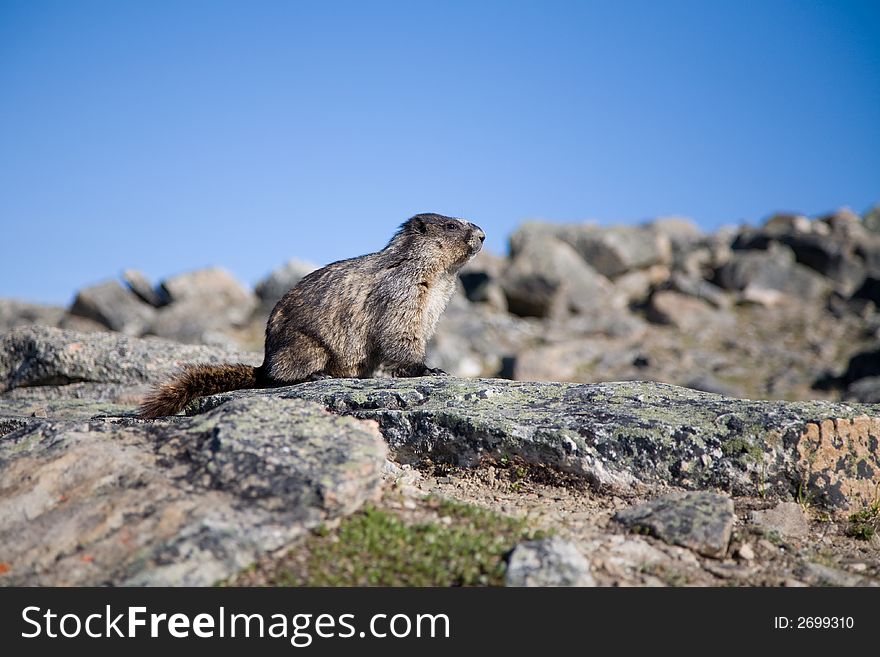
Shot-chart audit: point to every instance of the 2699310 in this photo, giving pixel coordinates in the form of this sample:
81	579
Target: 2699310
814	623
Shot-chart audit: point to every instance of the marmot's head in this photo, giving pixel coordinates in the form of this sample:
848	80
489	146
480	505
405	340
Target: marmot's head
453	241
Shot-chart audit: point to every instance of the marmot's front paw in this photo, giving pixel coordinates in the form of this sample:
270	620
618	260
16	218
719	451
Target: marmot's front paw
419	369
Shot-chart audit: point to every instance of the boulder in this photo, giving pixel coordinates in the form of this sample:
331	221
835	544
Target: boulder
698	288
281	280
838	246
610	251
185	503
204	283
115	307
38	357
572	360
786	224
473	340
547	278
834	257
682	232
480	279
202	302
684	312
636	286
773	269
14	313
144	289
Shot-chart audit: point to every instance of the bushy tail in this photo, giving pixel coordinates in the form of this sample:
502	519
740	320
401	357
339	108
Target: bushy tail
197	380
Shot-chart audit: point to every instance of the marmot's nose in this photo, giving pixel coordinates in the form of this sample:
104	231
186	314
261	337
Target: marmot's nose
479	232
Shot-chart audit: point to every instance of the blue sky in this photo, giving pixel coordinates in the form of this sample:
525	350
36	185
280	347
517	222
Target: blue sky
167	136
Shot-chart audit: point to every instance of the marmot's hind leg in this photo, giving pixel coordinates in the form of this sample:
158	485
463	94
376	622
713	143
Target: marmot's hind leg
301	358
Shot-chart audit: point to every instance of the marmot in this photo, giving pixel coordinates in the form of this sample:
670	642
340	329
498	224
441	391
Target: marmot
348	318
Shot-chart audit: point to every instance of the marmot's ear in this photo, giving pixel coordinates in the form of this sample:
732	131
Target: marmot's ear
418	225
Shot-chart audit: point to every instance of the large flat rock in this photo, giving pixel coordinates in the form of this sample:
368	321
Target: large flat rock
620	434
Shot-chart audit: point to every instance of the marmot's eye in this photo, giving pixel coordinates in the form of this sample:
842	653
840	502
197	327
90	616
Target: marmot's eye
452	226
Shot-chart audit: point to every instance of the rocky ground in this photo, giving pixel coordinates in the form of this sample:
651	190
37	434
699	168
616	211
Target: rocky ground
558	453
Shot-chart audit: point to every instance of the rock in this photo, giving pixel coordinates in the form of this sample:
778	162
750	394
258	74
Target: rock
567	356
204	283
113	306
480	279
843	223
703	260
626	558
682	232
774	269
777	227
746	552
613	323
833	258
862	365
40	357
699	521
683	312
547	278
871	220
869	290
637	285
15	313
707	382
762	297
549	562
279	281
619	435
82	324
473	340
786	519
610	251
202	302
699	289
143	289
837	246
479	288
786	224
186	503
485	262
563	361
820	575
865	391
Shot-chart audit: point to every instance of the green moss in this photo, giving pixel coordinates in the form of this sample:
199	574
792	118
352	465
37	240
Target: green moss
465	546
865	523
741	445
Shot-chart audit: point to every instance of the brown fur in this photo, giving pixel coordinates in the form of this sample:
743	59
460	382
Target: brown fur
197	380
348	318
